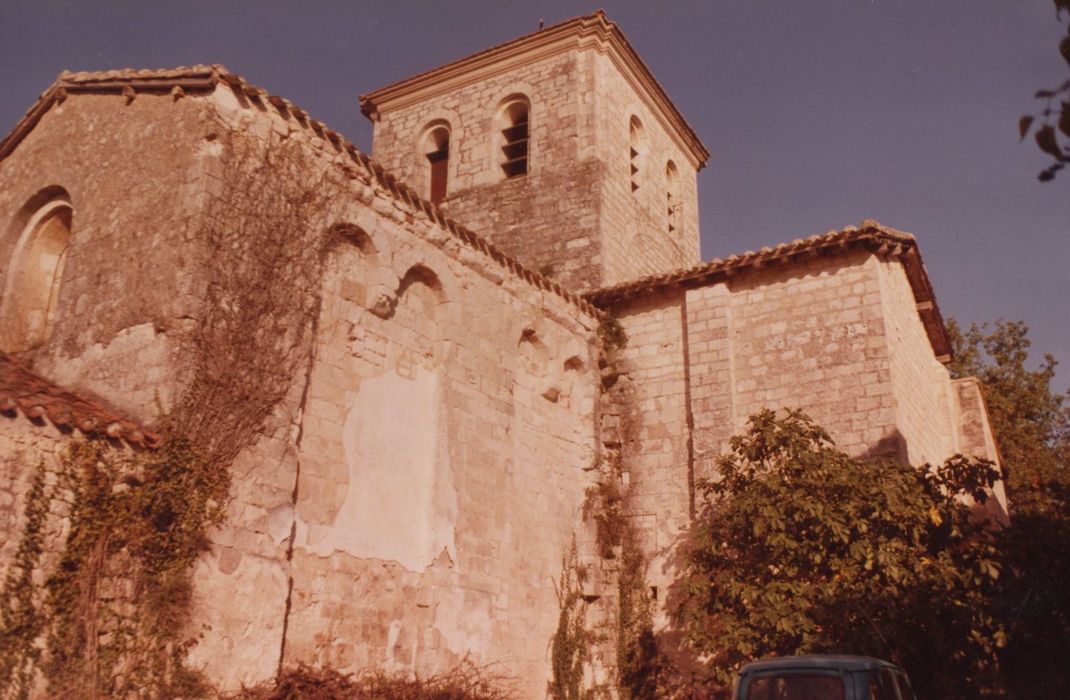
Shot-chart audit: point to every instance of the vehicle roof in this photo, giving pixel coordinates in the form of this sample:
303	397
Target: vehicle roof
842	662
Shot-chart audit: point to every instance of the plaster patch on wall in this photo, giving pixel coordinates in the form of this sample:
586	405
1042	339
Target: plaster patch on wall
400	502
464	619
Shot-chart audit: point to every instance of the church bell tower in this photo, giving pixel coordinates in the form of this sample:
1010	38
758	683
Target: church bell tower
559	147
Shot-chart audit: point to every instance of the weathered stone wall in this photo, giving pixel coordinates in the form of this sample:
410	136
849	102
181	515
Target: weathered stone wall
838	337
24	447
547	219
811	336
446	444
438	446
573	215
653	426
128	287
635	223
974	437
438	439
412	492
920	384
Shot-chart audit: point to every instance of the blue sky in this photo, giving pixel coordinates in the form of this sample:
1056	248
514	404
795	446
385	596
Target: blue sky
818	114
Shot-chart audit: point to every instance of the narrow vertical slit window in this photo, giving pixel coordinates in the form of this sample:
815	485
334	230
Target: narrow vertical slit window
515	135
673	202
438	158
635	151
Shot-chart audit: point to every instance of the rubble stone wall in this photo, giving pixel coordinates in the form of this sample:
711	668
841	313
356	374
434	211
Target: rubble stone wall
134	193
24	448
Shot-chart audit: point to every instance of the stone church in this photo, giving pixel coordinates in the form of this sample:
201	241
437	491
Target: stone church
406	352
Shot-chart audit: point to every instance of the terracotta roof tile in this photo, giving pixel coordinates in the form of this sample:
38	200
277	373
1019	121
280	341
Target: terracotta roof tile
22	391
870	235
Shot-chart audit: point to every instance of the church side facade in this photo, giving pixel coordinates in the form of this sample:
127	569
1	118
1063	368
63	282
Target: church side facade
428	324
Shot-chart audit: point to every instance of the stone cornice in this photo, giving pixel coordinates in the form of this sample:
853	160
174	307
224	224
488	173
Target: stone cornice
593	31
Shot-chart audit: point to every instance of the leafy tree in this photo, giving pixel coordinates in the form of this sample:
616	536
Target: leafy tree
802	548
1032	427
1053	134
1031	422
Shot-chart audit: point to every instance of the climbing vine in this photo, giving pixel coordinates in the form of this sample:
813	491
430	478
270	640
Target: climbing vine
570	646
117	603
112	617
20	622
639	663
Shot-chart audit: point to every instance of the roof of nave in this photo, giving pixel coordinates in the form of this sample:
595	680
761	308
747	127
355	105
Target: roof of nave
203	79
22	391
870	235
562	36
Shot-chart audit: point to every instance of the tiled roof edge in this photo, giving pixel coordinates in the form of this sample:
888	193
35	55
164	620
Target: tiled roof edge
598	20
194	78
204	78
870	235
23	391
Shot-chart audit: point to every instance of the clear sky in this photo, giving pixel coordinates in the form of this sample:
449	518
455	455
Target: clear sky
818	114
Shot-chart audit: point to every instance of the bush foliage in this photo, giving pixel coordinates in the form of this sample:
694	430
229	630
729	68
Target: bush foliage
466	681
801	548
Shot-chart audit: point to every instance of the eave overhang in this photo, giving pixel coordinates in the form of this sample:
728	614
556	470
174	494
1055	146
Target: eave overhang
870	236
594	31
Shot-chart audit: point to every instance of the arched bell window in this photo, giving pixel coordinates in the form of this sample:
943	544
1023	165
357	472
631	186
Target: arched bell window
435	146
513	121
34	273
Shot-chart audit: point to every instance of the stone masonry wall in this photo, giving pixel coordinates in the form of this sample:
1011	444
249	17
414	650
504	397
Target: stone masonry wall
974	436
838	337
438	441
25	446
446	447
921	385
635	224
811	336
573	215
438	446
134	191
547	219
653	430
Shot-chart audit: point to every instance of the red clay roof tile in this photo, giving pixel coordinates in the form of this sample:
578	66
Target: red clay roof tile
36	398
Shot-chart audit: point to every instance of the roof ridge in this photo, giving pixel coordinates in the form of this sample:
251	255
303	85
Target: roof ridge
597	20
207	76
597	14
868	234
37	398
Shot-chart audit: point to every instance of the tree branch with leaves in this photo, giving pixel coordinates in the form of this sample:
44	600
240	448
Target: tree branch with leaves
1052	132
